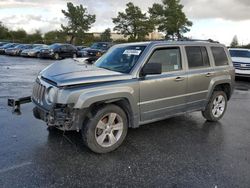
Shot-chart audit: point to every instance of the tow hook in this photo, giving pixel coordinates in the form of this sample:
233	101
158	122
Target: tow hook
16	104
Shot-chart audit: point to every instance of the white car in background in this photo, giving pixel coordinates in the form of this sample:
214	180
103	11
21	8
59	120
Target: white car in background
241	61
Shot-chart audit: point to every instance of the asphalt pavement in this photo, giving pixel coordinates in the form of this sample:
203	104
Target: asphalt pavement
184	151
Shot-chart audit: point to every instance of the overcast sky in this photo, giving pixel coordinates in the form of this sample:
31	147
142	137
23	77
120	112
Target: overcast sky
216	19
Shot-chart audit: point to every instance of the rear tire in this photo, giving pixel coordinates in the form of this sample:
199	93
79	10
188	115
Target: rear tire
216	106
106	130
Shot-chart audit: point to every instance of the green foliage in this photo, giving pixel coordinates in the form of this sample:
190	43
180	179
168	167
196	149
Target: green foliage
133	23
18	36
79	21
168	17
4	32
55	37
106	35
35	37
234	42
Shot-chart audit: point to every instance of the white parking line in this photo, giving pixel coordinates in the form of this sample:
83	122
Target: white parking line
15	167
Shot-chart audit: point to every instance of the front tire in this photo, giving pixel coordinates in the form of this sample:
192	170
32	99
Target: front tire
74	56
106	130
56	56
216	106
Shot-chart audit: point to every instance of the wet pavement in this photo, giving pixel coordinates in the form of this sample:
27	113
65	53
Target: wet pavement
184	151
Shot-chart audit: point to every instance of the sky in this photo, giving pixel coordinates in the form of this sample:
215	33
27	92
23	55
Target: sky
216	19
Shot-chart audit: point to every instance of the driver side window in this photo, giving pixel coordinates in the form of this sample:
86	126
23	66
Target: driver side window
170	58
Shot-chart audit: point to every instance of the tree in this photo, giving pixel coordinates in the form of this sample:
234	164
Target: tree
54	36
19	35
35	37
4	32
79	21
106	35
133	23
234	42
170	18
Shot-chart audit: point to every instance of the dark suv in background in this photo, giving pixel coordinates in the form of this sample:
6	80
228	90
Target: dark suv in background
59	51
96	50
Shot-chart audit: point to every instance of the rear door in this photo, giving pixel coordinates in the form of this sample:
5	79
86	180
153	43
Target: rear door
200	73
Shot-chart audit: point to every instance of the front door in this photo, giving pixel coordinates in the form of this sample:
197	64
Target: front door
163	95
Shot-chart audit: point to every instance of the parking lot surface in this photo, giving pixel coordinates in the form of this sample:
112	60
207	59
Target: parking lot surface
184	151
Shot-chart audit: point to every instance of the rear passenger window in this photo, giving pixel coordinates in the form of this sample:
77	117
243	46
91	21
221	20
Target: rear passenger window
197	56
170	58
220	57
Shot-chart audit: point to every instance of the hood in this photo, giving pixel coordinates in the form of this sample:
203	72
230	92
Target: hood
240	59
72	72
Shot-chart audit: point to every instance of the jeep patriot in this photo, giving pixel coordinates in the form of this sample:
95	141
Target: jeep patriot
131	85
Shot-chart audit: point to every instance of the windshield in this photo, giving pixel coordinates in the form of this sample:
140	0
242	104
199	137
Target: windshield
101	46
40	47
9	45
19	46
240	53
120	59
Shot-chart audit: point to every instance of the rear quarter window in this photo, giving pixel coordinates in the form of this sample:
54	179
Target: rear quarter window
220	57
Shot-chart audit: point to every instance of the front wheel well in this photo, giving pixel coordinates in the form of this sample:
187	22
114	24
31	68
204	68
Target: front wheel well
224	87
123	103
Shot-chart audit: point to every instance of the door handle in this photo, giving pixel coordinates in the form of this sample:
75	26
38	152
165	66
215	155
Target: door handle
209	74
179	78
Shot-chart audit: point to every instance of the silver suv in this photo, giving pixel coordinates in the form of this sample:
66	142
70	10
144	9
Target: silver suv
131	85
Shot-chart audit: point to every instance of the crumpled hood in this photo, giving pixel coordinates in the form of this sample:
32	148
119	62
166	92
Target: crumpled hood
71	72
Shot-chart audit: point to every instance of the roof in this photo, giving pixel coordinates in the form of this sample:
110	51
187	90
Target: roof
165	42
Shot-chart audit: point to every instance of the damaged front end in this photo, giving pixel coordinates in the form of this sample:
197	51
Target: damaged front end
61	116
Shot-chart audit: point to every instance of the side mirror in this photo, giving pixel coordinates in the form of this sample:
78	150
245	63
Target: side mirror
151	68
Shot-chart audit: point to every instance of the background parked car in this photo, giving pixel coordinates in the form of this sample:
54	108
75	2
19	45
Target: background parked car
96	50
3	43
59	51
241	61
6	46
34	52
18	49
79	48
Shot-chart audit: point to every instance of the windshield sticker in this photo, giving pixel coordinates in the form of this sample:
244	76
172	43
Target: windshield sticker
132	52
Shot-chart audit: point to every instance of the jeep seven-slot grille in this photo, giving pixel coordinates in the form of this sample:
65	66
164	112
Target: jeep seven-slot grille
38	92
241	66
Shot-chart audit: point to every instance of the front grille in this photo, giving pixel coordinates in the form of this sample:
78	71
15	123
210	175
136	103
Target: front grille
241	66
38	92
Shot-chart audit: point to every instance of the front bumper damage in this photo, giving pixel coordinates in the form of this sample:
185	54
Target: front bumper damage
61	116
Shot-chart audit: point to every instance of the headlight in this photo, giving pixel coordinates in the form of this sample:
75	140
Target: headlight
98	54
50	95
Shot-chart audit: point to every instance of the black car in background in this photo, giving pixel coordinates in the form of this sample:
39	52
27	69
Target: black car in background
18	49
6	46
96	50
59	51
34	52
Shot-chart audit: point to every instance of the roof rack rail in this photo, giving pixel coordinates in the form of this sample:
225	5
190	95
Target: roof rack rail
198	40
